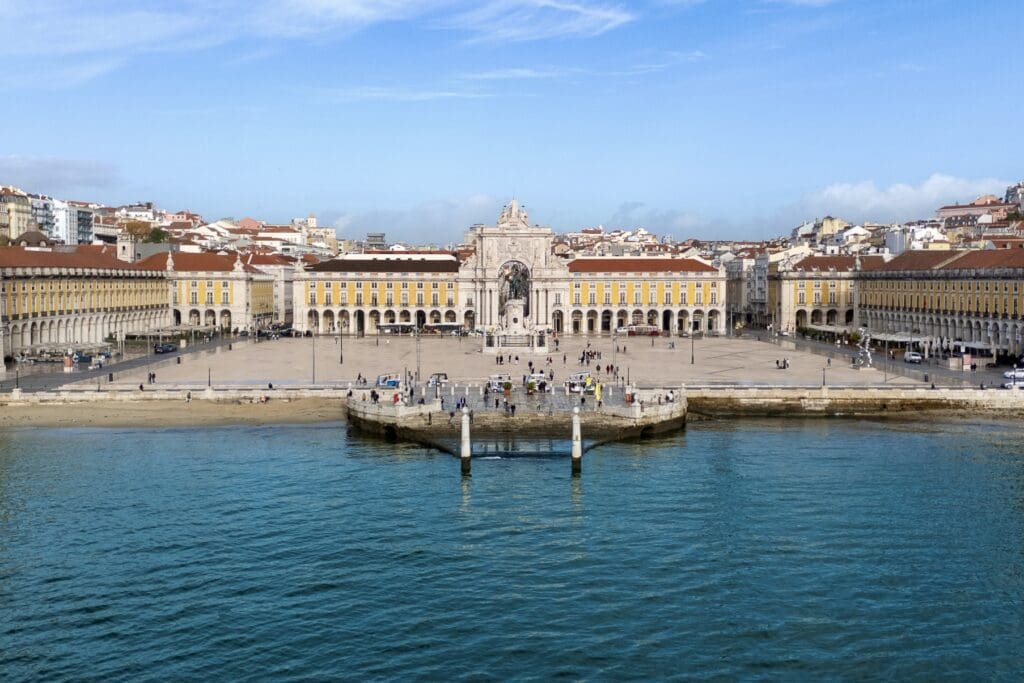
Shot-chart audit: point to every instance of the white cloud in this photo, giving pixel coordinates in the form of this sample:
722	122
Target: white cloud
55	176
435	222
898	202
674	222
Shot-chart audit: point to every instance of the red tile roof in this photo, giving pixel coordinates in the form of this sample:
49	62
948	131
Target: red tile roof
204	261
93	257
987	258
639	265
380	265
918	260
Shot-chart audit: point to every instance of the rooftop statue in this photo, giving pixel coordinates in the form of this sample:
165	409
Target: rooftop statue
513	216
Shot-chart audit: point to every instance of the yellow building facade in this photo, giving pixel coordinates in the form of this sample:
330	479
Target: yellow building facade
944	301
55	300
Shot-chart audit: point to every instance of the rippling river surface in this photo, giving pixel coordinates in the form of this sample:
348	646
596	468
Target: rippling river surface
738	549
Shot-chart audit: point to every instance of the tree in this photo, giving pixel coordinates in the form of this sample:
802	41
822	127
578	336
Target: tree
156	236
137	229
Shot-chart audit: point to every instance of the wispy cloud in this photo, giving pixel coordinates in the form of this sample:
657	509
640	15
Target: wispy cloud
112	32
55	175
517	73
502	21
389	94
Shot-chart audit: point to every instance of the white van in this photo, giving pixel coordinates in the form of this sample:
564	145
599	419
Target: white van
912	357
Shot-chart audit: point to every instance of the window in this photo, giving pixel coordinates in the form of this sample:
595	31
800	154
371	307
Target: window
682	295
373	285
636	295
405	298
832	297
433	285
359	298
607	295
209	284
434	298
668	297
328	298
801	298
592	298
390	285
405	285
312	298
576	298
622	296
419	297
698	296
194	284
817	297
373	298
652	296
714	298
224	296
419	285
451	299
558	298
195	298
389	299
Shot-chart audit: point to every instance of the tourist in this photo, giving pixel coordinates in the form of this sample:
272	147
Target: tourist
188	396
563	359
583	399
141	388
513	410
495	402
270	385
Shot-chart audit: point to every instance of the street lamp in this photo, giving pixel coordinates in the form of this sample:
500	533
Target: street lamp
692	346
314	357
341	343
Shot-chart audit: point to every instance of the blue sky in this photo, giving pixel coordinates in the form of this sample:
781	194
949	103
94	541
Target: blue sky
714	118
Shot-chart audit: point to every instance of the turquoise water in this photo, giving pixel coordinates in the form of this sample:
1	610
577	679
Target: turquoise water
794	550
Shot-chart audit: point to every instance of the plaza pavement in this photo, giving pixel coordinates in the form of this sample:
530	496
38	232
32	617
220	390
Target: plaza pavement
716	361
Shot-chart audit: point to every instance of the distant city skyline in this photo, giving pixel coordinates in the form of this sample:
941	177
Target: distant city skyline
718	119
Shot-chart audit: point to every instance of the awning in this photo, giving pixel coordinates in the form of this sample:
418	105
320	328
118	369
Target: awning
897	337
834	329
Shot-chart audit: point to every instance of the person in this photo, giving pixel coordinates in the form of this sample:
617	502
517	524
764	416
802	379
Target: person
495	402
270	385
513	410
829	362
563	359
188	397
776	363
583	399
141	388
349	394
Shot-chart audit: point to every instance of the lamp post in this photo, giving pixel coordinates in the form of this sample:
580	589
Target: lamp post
341	343
314	356
823	377
209	378
417	354
692	346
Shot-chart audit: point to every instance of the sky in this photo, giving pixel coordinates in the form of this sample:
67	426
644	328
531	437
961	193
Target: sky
695	118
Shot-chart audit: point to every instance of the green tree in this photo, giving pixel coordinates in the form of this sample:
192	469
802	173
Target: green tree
156	236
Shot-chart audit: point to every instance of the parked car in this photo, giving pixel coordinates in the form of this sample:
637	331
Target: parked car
164	348
438	379
1016	373
912	357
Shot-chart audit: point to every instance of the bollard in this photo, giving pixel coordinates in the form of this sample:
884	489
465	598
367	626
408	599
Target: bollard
466	447
577	443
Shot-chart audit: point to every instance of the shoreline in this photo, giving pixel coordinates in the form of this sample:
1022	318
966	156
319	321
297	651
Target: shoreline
155	414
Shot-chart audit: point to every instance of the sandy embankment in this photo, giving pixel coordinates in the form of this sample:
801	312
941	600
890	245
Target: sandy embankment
156	414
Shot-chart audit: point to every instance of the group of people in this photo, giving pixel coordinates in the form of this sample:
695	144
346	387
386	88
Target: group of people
502	358
782	364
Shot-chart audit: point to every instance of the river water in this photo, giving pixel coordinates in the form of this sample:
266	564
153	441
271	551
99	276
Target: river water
751	549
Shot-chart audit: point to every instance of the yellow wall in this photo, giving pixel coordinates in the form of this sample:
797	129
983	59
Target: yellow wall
50	296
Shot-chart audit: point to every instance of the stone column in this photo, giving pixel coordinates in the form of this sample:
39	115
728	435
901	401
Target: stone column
466	445
577	443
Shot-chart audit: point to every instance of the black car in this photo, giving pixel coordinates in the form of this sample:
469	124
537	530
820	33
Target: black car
164	348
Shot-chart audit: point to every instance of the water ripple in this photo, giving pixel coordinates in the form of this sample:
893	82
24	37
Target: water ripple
738	550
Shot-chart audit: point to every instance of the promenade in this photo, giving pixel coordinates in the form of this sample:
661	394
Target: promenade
307	361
